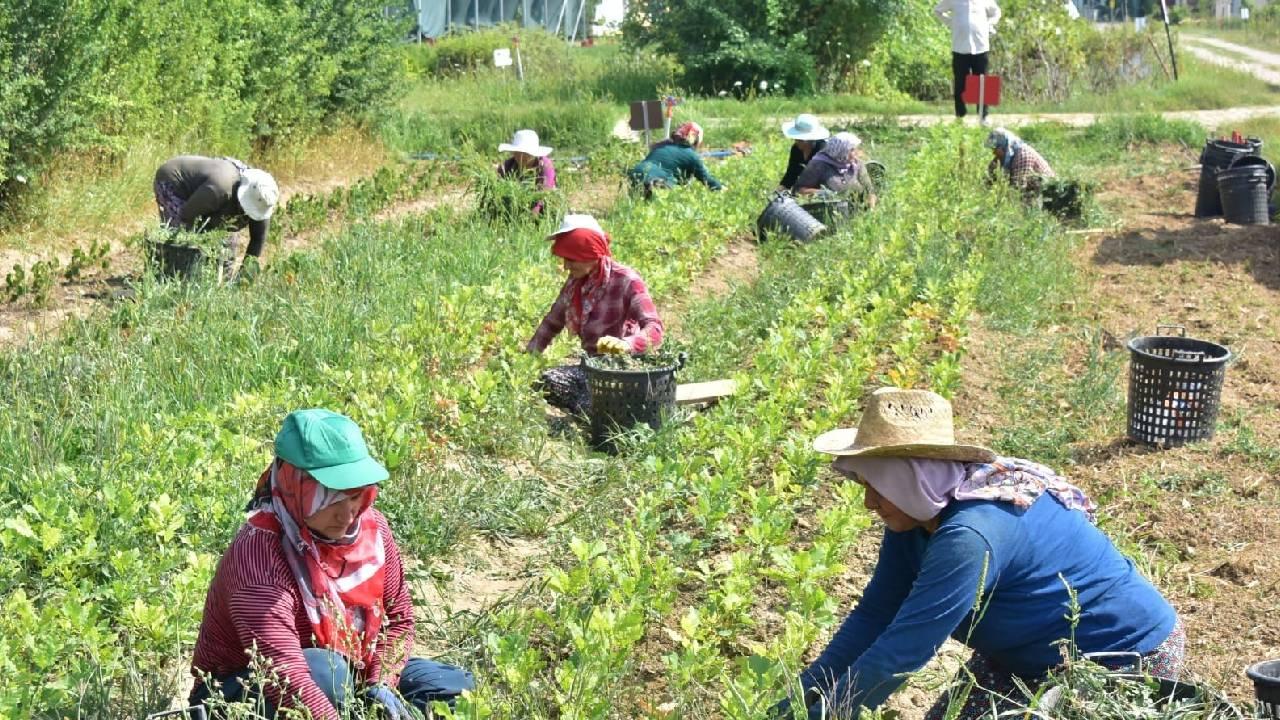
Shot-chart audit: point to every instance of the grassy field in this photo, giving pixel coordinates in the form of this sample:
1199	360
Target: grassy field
689	576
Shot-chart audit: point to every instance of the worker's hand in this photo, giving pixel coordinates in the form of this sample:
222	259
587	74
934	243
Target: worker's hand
384	701
610	345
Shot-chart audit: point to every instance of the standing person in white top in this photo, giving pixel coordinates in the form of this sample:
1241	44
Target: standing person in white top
972	23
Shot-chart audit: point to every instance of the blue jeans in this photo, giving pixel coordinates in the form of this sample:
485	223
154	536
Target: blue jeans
421	683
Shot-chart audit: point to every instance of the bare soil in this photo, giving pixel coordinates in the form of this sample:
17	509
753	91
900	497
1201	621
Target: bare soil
1203	516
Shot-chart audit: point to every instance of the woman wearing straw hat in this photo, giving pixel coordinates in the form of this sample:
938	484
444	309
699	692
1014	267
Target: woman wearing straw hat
603	302
206	194
966	529
529	162
809	137
674	161
309	610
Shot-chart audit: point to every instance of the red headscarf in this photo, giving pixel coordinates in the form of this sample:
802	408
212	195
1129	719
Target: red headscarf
341	579
582	245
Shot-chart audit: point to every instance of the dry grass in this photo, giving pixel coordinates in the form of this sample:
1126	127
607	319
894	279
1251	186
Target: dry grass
109	198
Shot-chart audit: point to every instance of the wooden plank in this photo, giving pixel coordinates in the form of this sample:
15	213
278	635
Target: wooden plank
704	392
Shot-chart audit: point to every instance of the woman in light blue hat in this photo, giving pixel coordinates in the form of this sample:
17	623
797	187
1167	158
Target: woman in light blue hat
809	137
313	584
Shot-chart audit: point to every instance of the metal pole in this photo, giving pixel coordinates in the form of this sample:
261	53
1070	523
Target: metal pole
1173	58
582	5
560	20
476	23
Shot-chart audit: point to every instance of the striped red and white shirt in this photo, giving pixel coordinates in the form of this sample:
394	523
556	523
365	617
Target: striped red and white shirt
254	602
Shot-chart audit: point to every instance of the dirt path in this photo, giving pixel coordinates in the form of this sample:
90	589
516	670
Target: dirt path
1263	68
1262	56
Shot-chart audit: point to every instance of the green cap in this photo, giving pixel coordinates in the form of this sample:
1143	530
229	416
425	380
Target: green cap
330	447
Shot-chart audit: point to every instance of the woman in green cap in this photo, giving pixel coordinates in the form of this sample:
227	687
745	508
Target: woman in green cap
313	585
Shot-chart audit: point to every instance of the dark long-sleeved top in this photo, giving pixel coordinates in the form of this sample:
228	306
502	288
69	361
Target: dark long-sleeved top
796	163
673	162
207	187
821	173
254	600
925	588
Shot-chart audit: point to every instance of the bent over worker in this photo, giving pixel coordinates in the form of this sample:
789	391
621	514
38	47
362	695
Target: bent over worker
990	551
605	303
207	194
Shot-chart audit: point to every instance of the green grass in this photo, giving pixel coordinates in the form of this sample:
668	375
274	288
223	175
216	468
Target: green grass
1200	86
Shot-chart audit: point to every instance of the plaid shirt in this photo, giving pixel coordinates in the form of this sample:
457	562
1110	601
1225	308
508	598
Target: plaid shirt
614	302
1028	166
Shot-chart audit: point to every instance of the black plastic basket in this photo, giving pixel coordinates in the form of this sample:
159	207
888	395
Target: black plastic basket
1245	186
784	215
177	261
1266	687
622	399
1216	155
1175	385
830	212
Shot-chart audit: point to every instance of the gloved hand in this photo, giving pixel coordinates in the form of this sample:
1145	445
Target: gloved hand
388	705
610	345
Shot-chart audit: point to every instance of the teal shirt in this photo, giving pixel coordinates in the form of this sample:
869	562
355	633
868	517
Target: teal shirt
673	163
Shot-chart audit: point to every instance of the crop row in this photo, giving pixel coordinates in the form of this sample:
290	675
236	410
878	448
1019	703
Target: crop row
721	568
140	433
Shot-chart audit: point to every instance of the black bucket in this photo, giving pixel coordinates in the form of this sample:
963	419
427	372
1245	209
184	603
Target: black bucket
1245	186
784	215
1175	385
831	213
621	399
1217	155
1266	687
177	261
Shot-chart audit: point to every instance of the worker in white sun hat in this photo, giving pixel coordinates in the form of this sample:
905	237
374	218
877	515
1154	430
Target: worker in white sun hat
530	162
808	137
207	194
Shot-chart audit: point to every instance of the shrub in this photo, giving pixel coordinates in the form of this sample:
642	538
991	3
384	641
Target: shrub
797	47
93	74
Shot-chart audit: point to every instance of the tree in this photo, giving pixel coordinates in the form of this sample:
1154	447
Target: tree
796	45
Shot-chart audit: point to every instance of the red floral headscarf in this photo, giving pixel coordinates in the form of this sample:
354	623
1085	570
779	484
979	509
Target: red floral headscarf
340	579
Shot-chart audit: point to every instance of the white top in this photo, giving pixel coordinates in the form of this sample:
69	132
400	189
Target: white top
971	23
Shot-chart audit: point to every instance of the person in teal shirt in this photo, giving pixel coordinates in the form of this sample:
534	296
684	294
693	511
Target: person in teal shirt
674	161
966	529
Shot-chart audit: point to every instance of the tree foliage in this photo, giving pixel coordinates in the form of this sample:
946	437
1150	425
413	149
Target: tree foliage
796	46
78	74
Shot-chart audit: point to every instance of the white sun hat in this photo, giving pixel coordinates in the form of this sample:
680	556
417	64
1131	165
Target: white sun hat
577	222
902	423
805	127
525	141
257	194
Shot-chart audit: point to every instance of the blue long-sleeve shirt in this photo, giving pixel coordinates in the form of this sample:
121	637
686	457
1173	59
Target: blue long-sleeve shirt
926	587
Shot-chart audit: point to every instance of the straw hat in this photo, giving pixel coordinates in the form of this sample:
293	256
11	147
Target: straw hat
525	141
902	423
805	127
257	193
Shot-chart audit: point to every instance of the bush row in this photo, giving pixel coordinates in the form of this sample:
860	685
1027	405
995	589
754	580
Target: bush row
93	75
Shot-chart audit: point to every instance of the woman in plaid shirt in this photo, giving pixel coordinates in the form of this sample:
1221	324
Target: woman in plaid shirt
604	303
1025	167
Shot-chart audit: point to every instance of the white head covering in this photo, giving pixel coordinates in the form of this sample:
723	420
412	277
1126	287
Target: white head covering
257	193
525	141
